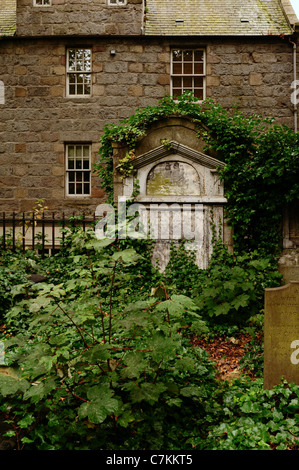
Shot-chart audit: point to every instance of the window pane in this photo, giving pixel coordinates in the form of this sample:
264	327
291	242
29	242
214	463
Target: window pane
86	151
71	176
87	60
198	82
79	89
86	188
71	164
78	151
198	68
177	56
78	164
71	188
86	89
177	91
198	94
71	150
177	81
188	56
72	78
198	56
177	69
86	176
187	82
78	188
188	69
72	60
85	164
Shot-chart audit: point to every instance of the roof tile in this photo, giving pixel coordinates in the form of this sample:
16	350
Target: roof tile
216	17
8	17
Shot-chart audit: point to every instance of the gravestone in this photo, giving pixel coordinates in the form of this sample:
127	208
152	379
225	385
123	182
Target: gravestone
281	335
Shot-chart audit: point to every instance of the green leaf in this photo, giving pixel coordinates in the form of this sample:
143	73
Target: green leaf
148	392
101	404
12	386
222	309
40	391
240	301
135	365
128	256
26	421
99	352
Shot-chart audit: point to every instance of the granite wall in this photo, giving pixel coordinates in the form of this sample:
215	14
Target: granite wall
38	119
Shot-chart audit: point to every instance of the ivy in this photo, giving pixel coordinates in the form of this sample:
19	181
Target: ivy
261	163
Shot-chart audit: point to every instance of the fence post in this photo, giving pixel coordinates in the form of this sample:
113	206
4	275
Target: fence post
33	231
23	232
3	238
43	235
13	231
63	227
53	231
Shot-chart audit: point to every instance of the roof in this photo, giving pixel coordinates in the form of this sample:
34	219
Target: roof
219	17
8	17
200	17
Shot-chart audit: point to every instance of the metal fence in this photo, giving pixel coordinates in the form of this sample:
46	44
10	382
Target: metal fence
43	232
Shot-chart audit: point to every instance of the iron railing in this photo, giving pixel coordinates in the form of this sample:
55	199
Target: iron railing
43	232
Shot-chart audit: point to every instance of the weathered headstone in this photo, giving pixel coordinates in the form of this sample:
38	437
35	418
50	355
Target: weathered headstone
281	335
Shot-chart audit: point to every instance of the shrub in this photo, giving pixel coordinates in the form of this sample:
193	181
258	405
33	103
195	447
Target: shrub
113	368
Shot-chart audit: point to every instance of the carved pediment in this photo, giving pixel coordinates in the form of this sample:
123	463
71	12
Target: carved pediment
181	150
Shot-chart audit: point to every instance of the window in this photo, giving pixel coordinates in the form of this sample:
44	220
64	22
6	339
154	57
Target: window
117	2
42	3
79	72
78	169
188	72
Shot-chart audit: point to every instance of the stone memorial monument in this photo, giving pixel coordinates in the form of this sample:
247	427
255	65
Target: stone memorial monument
281	335
179	188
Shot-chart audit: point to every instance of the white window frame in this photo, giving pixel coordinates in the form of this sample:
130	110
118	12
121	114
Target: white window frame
192	75
42	4
117	3
75	174
83	72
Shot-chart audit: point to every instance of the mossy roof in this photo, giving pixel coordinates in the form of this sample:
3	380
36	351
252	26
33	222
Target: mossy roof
200	17
8	17
216	18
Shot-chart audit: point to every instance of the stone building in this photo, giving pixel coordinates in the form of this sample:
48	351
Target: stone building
68	67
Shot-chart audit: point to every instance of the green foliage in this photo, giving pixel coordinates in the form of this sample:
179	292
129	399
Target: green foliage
102	345
256	419
97	352
231	290
261	163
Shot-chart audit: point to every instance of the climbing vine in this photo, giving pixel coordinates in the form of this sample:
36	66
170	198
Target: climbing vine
261	163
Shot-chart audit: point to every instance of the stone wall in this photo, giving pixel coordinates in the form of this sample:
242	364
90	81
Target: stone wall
78	17
38	119
253	75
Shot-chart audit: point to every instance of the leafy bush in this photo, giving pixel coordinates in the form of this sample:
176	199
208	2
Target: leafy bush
14	270
231	290
256	419
113	368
